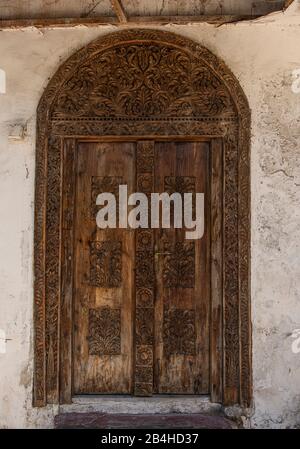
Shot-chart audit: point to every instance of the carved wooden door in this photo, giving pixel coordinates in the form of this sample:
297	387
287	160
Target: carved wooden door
141	297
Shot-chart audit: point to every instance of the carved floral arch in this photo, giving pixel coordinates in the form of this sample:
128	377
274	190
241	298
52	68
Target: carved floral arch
143	83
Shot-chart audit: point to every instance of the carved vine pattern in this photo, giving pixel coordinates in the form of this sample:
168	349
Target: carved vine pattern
104	184
181	185
179	333
106	264
179	265
143	82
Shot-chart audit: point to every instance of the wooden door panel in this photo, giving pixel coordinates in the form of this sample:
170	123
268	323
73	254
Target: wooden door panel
182	301
104	275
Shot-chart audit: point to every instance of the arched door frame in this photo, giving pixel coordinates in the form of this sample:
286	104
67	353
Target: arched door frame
190	93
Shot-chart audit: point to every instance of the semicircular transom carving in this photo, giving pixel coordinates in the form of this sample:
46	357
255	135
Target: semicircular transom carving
143	80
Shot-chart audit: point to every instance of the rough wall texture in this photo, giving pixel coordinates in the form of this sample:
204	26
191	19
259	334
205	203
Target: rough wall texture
262	55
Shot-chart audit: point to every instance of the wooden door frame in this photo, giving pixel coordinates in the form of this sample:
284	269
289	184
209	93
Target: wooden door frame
69	159
79	103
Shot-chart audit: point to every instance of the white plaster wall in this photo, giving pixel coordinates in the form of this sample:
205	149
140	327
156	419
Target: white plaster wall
262	55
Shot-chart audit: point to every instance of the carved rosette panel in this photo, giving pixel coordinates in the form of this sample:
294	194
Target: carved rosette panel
144	279
104	331
106	264
179	334
104	184
144	83
179	265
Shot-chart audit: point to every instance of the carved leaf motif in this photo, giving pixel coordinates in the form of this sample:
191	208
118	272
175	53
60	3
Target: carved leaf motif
179	265
103	184
104	331
180	184
106	263
179	332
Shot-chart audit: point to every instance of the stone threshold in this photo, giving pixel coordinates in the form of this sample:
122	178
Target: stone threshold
156	412
159	404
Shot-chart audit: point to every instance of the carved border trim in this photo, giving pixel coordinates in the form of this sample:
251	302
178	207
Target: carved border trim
144	279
